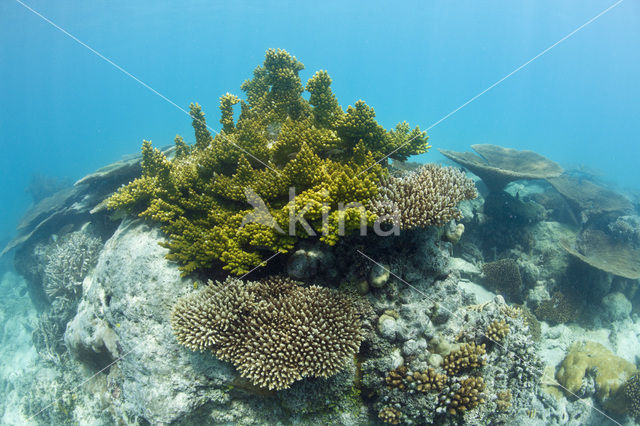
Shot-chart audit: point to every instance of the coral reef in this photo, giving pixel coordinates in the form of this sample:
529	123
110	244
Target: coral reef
611	372
429	342
497	166
423	198
632	393
503	276
559	309
467	357
280	142
275	332
497	330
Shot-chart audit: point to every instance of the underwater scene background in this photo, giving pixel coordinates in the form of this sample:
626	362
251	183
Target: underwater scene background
507	296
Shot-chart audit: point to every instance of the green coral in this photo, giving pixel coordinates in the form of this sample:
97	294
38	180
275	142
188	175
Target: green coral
279	141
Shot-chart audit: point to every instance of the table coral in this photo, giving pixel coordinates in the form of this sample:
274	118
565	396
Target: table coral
279	143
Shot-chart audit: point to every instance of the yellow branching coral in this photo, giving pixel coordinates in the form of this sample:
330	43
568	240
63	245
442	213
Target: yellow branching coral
428	380
423	198
396	378
390	415
274	332
497	330
280	144
465	395
467	357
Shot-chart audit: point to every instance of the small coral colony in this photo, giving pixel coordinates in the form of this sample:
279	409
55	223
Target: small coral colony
226	203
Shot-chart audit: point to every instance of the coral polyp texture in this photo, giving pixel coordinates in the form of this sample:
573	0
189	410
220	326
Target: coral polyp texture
426	197
468	356
463	395
632	393
274	332
334	160
503	276
497	330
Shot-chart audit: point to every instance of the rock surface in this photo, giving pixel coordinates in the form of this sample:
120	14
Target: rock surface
124	317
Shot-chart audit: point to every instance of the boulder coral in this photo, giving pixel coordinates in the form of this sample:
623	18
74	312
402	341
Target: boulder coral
611	371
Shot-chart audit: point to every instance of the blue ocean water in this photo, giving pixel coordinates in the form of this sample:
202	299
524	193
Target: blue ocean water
558	78
65	112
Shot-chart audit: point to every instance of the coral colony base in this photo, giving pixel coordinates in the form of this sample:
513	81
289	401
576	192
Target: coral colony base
380	291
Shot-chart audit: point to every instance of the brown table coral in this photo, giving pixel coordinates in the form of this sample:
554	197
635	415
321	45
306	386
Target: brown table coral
497	166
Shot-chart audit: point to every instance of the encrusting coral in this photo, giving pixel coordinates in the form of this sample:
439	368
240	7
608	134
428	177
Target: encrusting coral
274	332
611	372
203	198
423	198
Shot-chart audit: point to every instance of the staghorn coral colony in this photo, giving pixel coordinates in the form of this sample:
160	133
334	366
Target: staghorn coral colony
452	308
274	332
280	143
